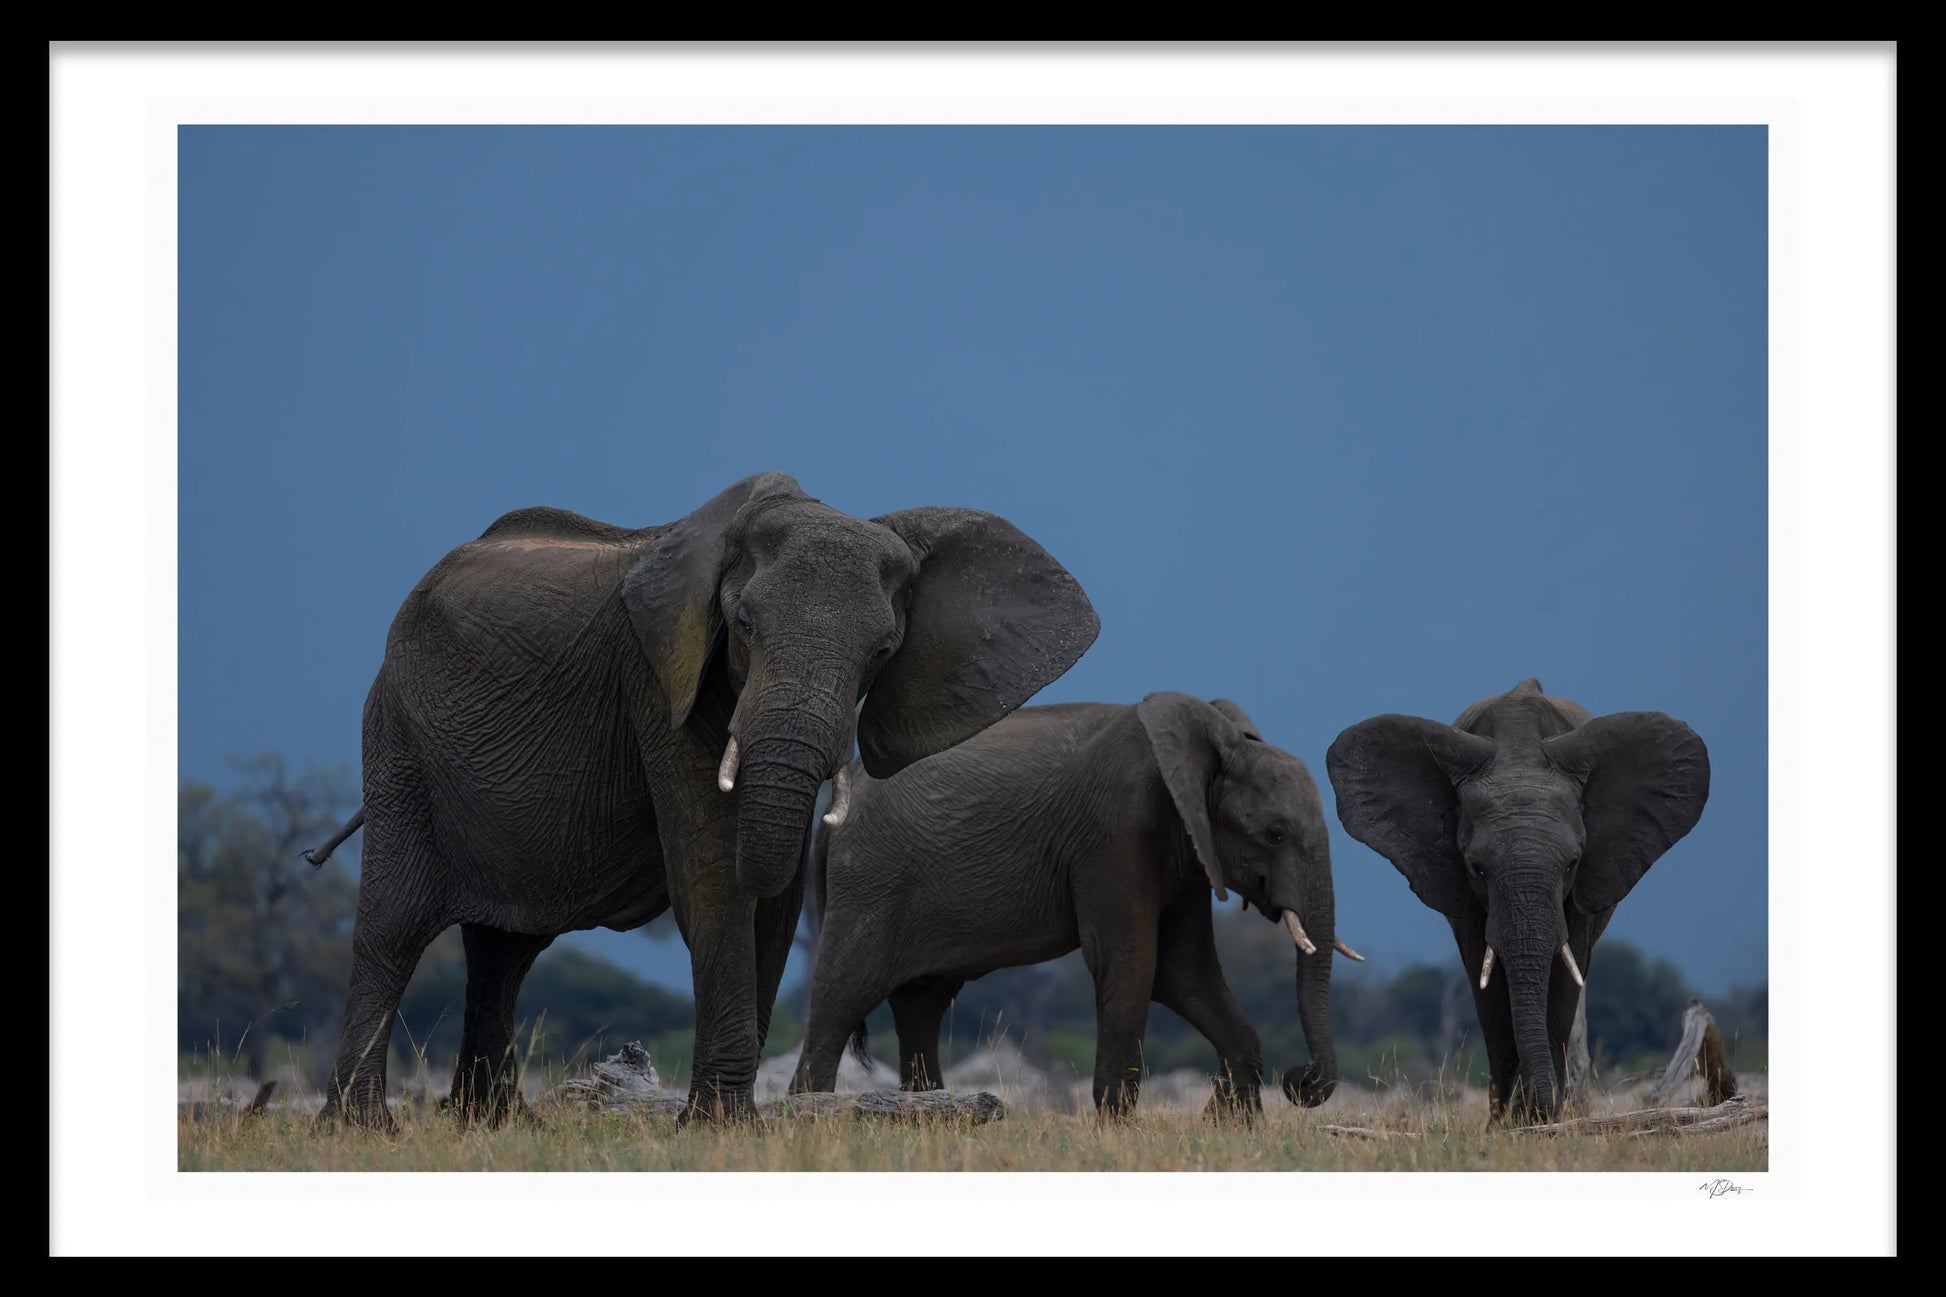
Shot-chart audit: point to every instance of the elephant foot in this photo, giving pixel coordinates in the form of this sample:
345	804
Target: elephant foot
1234	1104
366	1118
493	1112
717	1106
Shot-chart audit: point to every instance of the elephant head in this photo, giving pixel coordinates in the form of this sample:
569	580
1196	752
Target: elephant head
1525	830
1255	823
941	620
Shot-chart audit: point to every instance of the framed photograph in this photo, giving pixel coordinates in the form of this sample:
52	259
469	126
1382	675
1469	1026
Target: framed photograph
932	627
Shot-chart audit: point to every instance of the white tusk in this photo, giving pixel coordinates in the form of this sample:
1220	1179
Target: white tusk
840	798
726	774
1574	969
1486	968
1338	943
1296	930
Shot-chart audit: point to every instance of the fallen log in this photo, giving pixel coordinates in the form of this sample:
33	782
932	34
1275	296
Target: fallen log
626	1081
1734	1112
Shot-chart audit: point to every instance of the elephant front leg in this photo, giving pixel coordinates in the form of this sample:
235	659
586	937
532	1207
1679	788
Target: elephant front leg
723	961
1189	980
1124	981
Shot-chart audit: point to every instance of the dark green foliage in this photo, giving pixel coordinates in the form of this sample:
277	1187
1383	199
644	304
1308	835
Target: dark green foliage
265	939
262	938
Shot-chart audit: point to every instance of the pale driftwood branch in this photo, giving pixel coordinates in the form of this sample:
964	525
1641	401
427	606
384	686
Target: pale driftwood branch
626	1082
1366	1132
1701	1050
1734	1112
1758	1114
1627	1079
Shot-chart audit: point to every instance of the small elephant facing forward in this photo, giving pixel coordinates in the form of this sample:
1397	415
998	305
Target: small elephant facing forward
1094	825
1524	822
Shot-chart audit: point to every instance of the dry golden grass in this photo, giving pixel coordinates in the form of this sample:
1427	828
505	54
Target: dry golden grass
1449	1137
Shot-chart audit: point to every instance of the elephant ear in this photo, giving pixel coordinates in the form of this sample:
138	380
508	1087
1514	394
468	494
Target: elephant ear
991	619
1189	737
670	592
1644	778
1239	718
1396	778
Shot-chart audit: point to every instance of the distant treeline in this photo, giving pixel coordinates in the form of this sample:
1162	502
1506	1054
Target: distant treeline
264	944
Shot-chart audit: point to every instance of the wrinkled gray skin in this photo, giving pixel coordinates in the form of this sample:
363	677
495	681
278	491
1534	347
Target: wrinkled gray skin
542	744
1095	825
1524	822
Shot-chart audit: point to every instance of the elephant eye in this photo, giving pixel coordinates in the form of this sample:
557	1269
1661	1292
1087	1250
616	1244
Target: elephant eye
743	622
1275	833
881	655
1474	865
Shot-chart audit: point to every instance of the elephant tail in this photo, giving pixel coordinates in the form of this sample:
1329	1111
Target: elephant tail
316	856
861	1047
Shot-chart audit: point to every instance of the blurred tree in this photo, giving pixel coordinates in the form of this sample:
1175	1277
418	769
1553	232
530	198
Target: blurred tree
1635	1007
263	939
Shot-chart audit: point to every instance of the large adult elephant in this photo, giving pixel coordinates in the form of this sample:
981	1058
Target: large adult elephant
1098	825
1524	822
578	725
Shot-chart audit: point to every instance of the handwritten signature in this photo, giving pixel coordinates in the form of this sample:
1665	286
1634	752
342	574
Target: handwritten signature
1717	1188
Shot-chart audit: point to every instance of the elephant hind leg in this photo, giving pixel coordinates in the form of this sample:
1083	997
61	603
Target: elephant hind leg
385	949
486	1076
401	908
917	1008
841	997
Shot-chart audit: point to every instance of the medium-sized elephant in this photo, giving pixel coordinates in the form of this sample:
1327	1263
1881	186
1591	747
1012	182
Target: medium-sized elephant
1524	822
579	725
1102	826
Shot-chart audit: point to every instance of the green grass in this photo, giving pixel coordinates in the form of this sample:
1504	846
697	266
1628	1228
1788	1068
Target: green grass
1449	1138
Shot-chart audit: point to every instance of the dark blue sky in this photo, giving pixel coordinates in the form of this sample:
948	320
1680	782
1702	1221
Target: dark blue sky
1331	421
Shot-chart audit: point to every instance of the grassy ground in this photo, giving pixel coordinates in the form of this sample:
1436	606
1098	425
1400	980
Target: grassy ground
1450	1138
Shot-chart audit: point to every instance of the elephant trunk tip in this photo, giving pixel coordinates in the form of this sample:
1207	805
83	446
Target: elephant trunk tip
1309	1086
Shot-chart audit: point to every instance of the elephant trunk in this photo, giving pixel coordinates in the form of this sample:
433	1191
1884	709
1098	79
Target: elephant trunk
784	753
1525	930
1319	1078
1528	974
